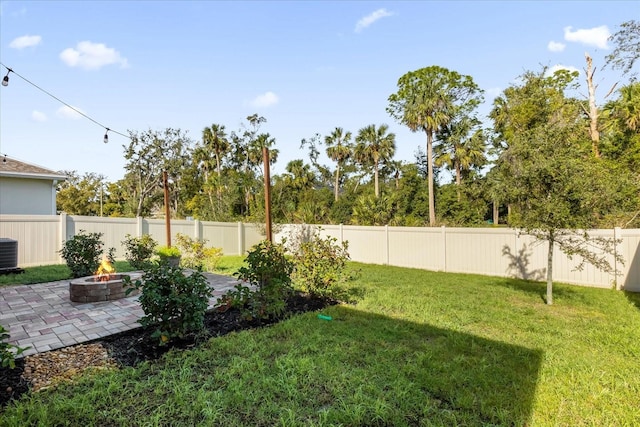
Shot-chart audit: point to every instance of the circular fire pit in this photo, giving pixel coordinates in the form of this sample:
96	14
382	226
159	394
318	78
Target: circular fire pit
100	288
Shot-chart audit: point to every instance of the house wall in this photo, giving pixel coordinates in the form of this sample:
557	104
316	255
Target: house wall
20	196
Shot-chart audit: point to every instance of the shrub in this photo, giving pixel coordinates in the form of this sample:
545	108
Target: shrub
83	253
269	271
139	250
171	300
195	254
320	265
7	355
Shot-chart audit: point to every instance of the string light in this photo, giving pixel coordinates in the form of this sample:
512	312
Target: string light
5	82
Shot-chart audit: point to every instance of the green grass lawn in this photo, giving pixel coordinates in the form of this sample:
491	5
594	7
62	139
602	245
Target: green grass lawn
419	348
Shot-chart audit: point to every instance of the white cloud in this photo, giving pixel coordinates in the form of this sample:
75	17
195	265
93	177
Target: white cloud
92	56
596	36
25	41
38	116
557	67
371	18
556	46
68	113
265	100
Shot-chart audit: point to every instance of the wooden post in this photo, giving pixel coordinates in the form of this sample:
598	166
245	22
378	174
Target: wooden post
167	213
267	193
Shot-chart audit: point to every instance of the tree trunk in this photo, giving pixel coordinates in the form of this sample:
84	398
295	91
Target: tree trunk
458	178
432	199
593	109
335	189
550	270
375	179
496	213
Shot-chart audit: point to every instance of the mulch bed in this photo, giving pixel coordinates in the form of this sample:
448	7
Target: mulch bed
44	370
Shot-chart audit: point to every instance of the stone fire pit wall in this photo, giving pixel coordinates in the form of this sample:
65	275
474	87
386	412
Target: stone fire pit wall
87	289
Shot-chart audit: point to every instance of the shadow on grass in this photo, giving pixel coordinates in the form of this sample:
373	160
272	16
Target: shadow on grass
539	288
633	297
453	377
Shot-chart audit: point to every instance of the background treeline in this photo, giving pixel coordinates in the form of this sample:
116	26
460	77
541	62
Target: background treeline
546	153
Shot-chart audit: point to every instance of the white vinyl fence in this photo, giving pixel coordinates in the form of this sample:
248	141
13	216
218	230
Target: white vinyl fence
489	251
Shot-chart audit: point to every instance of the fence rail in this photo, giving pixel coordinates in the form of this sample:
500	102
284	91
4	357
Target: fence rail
490	251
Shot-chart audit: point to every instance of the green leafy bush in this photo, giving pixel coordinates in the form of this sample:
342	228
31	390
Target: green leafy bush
268	271
139	250
173	301
8	352
83	253
195	254
320	265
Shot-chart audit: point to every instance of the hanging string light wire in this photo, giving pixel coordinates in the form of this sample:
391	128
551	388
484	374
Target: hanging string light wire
107	129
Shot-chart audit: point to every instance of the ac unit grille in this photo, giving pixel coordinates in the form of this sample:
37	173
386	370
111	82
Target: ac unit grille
8	253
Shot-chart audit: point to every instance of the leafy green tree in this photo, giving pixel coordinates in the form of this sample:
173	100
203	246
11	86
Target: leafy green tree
339	150
547	173
428	99
148	154
627	46
411	197
537	99
558	191
81	195
373	148
621	146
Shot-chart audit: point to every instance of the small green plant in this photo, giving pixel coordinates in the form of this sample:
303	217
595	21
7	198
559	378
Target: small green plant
169	255
172	301
168	251
83	253
139	250
239	297
8	352
195	254
320	265
269	271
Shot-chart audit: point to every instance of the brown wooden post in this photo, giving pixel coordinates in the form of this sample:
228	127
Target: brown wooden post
267	193
167	212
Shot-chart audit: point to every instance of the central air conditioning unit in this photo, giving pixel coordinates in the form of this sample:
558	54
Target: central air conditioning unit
9	256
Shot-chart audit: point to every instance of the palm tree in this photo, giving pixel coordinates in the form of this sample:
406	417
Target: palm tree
213	148
214	138
626	108
339	150
460	151
425	101
373	147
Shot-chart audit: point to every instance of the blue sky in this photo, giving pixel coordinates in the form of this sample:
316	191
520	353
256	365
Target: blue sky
305	66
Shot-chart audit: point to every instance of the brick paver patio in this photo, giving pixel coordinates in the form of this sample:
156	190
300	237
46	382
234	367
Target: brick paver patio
43	317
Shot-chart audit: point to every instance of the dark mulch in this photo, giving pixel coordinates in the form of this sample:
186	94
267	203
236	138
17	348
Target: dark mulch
135	346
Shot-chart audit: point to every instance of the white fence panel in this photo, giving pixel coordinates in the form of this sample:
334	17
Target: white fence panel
38	238
366	244
630	250
416	247
114	231
490	251
223	235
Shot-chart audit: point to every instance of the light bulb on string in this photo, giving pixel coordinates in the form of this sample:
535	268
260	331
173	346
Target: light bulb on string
5	80
106	137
